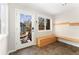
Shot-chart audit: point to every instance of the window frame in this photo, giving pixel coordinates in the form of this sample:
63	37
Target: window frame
44	24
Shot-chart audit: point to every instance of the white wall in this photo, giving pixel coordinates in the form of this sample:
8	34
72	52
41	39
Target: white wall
66	30
3	44
12	20
4	29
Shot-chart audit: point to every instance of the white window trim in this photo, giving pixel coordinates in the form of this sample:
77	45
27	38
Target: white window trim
45	25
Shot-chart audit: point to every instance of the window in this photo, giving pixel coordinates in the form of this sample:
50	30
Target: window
47	24
43	24
3	19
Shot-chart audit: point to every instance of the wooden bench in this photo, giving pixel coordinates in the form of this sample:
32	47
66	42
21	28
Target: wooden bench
45	40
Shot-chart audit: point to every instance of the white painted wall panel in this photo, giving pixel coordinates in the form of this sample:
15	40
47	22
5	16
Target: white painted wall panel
68	31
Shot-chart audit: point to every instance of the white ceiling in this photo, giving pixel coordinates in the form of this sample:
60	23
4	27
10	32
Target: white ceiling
52	8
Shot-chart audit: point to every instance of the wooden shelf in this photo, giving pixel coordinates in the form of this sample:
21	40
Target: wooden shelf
73	24
69	23
68	38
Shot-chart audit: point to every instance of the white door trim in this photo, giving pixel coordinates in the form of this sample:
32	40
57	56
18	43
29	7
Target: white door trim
17	30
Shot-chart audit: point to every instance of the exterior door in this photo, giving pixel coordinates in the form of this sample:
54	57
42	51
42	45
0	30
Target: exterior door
23	29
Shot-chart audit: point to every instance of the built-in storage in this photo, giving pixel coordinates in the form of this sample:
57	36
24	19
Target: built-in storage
45	40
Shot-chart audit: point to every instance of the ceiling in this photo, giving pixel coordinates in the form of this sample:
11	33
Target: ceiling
52	8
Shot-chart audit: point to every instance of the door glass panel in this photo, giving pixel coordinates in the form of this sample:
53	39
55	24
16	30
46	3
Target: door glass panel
25	28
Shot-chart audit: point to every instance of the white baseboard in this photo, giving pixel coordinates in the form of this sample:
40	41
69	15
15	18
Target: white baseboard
11	51
69	42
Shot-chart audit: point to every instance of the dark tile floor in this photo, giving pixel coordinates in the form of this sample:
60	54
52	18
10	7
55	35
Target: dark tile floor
57	48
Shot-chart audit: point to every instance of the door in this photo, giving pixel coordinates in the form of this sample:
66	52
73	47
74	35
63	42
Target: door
23	29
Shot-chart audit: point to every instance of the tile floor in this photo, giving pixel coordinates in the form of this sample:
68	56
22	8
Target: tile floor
57	48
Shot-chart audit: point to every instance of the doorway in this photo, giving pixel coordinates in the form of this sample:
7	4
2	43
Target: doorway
24	29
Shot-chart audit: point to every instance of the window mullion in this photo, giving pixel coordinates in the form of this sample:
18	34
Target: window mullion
45	24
